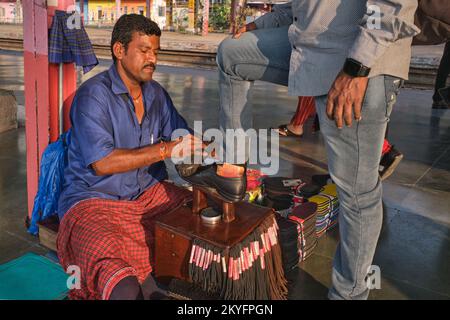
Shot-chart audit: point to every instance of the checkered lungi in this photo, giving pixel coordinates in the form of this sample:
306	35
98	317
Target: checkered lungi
70	44
110	240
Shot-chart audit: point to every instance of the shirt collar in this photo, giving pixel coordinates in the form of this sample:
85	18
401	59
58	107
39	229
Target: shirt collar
117	85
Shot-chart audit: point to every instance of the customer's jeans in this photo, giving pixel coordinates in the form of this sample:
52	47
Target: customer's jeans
353	160
443	72
353	153
257	55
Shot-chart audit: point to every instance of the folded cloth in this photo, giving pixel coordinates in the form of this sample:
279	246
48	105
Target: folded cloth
68	45
110	239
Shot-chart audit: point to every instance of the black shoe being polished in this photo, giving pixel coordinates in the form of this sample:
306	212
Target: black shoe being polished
230	189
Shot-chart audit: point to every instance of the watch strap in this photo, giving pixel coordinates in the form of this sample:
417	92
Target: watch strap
355	68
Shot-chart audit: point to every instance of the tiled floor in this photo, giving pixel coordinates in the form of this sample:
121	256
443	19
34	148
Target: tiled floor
414	248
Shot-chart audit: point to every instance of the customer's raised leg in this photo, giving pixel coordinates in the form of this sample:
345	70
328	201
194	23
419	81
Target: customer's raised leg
256	55
441	78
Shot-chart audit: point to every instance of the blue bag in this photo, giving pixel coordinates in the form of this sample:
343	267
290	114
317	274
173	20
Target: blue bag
51	180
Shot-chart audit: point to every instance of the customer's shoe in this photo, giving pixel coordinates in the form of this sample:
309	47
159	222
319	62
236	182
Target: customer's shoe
230	189
389	162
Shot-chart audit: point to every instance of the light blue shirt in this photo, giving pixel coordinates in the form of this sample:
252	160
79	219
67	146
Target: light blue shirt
323	33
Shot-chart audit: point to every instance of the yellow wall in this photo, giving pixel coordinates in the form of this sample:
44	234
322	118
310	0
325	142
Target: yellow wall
133	6
108	8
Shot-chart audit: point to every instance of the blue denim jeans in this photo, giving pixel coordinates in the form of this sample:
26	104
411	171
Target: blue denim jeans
257	55
353	160
353	153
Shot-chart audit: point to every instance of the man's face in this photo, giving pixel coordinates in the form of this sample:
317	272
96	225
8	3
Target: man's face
139	60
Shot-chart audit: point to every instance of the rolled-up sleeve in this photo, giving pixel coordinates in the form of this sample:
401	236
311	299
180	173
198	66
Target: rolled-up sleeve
280	16
93	128
385	22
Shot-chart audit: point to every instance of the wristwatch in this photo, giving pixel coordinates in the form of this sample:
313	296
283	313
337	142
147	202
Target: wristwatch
355	68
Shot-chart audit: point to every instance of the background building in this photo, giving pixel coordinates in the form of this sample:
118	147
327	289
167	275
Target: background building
173	15
104	12
11	11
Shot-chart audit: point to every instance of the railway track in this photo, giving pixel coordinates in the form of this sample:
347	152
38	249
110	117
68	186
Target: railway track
205	60
420	76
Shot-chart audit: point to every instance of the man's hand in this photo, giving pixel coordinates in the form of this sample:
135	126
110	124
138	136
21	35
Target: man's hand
249	27
186	147
345	99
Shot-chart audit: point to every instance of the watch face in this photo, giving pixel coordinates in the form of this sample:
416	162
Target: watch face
354	70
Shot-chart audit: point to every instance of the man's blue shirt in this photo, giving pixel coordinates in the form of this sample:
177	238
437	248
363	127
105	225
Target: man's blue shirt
103	119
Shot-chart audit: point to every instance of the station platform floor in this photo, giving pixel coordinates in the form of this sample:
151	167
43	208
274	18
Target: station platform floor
413	252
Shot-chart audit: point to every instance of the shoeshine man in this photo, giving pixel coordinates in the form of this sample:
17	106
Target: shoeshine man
351	55
122	123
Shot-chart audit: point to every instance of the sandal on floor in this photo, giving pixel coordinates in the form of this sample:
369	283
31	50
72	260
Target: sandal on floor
284	131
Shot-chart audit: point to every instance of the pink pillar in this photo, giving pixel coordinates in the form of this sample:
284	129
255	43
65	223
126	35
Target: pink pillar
36	81
205	18
41	86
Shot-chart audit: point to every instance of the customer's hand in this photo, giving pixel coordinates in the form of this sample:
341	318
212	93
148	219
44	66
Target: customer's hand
248	27
345	99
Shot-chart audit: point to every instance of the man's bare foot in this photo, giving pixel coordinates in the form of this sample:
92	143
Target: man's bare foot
230	171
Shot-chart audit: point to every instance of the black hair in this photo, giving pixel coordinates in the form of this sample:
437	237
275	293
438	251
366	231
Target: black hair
127	25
